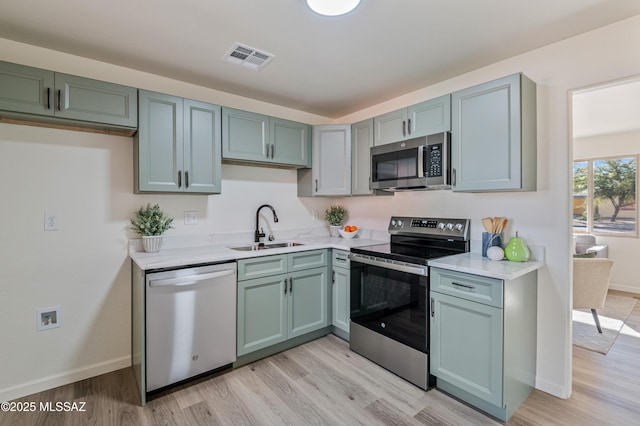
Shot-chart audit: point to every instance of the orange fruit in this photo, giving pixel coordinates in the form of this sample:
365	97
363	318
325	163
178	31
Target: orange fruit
354	228
347	228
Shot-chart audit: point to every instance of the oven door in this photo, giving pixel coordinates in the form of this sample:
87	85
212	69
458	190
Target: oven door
391	299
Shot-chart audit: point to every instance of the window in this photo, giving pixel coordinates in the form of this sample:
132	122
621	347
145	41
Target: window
604	196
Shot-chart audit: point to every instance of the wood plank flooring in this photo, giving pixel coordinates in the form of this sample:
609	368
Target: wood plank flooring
324	383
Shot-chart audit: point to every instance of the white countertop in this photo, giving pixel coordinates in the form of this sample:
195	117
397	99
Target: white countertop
177	256
474	263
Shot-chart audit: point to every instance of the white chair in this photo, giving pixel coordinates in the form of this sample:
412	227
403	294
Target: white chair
590	284
586	243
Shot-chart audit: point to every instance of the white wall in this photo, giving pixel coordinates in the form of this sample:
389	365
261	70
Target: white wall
622	250
87	178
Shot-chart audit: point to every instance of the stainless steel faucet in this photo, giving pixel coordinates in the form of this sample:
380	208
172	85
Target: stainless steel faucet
259	233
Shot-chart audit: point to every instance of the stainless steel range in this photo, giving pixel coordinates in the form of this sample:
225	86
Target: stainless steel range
390	290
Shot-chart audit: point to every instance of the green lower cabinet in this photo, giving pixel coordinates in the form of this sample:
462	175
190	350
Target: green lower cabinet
277	307
307	301
262	313
483	334
467	346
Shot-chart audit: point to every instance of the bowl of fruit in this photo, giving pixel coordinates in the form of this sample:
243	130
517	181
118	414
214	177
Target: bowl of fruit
349	231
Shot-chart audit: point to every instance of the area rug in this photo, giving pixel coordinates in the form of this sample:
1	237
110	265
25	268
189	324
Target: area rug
612	317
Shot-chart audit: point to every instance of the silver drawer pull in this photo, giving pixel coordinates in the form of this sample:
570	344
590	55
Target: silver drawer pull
468	287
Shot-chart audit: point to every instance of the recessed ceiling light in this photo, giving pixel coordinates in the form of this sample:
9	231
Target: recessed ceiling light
332	7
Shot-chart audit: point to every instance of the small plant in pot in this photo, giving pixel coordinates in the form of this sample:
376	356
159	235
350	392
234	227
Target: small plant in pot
150	222
335	215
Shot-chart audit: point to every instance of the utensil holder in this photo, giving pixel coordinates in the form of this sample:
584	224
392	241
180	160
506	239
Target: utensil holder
490	240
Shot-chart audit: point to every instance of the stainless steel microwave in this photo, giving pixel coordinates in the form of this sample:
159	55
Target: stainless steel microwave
415	164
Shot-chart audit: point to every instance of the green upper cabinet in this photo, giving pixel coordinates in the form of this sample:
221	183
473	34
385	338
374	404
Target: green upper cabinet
256	138
361	144
493	136
425	118
330	173
28	90
178	145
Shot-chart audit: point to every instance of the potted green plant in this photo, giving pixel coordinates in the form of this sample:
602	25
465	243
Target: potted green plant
335	215
150	222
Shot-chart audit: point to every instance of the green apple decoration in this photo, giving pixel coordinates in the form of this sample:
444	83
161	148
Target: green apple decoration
517	250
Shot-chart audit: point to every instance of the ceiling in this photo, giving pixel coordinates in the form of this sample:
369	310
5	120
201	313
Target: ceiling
326	66
607	109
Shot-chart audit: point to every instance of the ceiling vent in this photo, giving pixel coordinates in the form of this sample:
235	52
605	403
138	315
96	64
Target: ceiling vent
248	56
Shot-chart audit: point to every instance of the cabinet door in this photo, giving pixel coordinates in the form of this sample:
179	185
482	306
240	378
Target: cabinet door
202	147
159	144
85	99
307	301
245	135
290	142
262	313
361	143
432	116
26	89
467	346
390	127
341	302
486	148
332	159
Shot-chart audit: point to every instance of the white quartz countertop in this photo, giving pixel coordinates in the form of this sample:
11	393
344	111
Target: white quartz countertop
221	252
474	263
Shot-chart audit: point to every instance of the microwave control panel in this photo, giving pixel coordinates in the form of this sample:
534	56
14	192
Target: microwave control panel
434	160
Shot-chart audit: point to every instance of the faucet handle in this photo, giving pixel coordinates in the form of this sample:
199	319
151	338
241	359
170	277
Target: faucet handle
271	237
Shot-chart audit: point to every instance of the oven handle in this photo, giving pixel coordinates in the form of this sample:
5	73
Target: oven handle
391	264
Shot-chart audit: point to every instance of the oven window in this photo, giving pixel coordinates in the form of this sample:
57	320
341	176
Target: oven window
396	165
391	303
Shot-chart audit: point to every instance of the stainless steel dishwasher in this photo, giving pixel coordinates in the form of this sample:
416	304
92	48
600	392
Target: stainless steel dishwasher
190	322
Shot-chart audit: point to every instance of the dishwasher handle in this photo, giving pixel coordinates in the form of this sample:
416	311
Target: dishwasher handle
190	279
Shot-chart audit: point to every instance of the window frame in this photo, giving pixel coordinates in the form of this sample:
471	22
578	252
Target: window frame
590	197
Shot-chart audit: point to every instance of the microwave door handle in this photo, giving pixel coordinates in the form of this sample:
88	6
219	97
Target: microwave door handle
421	161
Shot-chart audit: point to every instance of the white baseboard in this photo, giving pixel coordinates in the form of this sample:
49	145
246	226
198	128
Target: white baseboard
50	382
627	288
551	388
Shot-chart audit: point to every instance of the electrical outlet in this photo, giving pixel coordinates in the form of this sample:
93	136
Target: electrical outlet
190	218
47	318
51	221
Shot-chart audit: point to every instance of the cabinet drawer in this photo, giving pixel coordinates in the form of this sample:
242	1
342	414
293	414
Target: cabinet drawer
340	258
307	259
467	286
262	266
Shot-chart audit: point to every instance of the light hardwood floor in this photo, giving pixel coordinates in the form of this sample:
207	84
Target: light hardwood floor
323	382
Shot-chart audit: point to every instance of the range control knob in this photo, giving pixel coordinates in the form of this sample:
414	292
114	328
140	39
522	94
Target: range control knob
459	227
449	226
393	222
399	223
441	225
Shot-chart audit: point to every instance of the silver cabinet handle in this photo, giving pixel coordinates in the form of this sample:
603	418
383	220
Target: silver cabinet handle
433	308
453	173
316	185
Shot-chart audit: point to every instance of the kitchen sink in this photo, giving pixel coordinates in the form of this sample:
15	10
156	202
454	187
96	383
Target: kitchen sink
257	246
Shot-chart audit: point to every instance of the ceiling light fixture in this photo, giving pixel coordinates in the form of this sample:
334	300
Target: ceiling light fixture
332	7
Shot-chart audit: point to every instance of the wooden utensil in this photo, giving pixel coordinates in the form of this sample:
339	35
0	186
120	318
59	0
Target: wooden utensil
487	222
